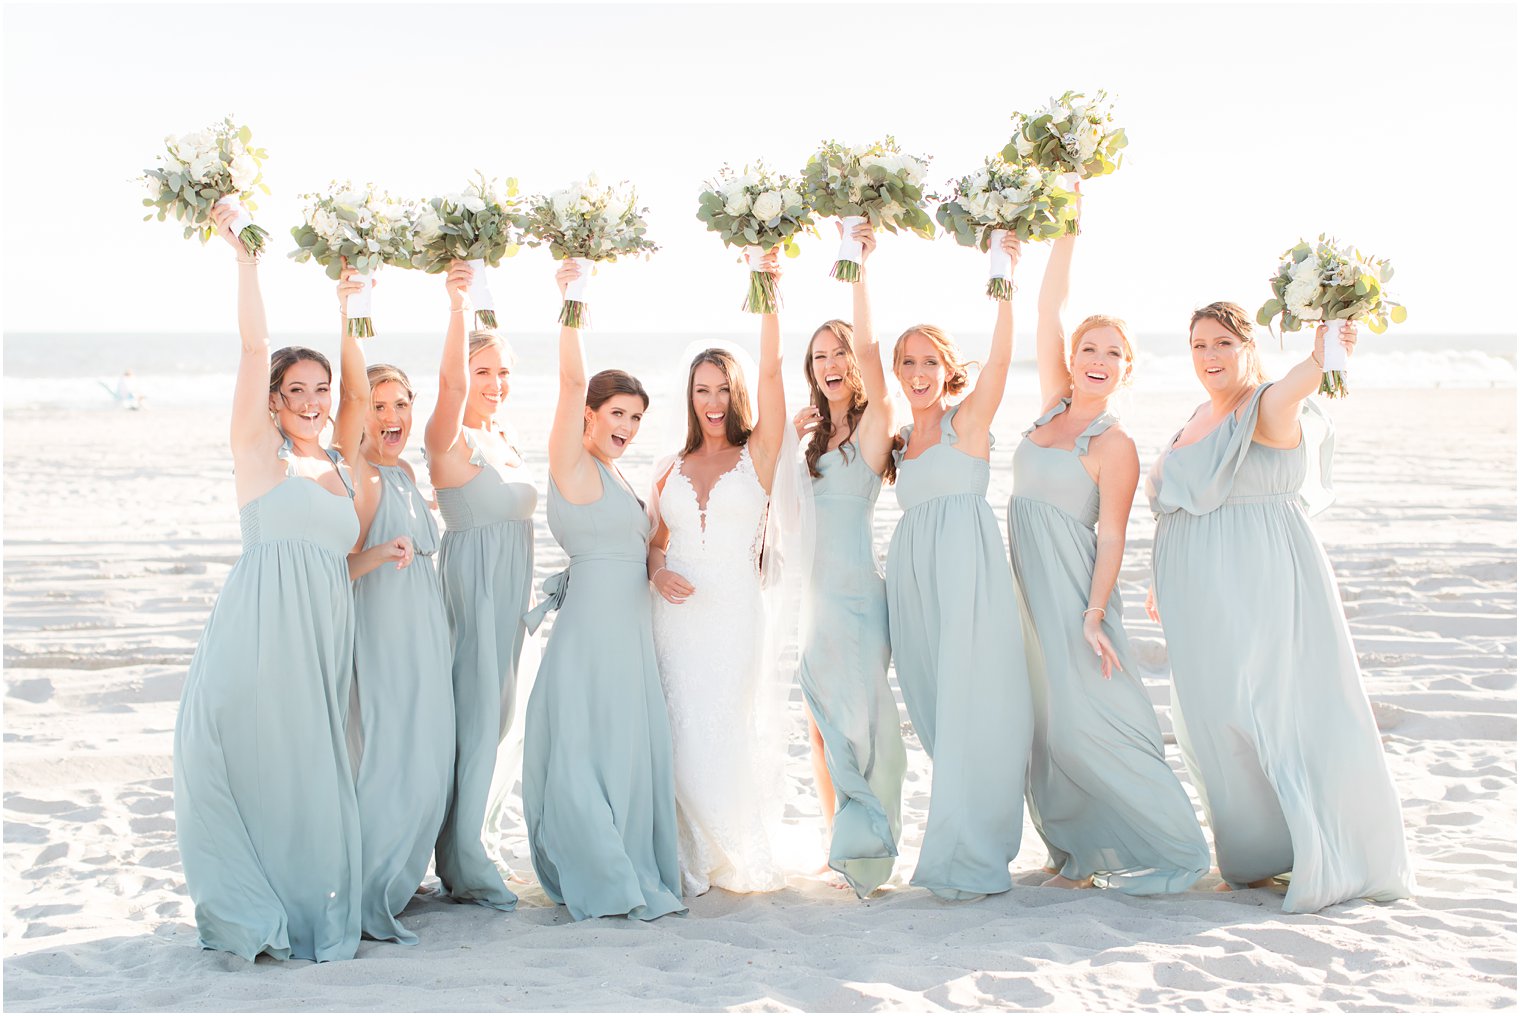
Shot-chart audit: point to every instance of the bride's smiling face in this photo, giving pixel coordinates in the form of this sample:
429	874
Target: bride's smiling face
711	396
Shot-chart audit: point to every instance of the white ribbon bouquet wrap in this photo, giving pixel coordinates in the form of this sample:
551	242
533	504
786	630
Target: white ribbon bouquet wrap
217	166
1001	198
758	211
480	225
874	183
1327	282
591	223
362	227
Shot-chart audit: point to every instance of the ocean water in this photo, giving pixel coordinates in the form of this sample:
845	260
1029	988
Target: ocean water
81	371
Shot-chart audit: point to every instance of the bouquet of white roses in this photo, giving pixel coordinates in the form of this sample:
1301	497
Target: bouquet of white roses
1074	135
1333	284
215	166
759	212
1001	198
590	223
875	183
364	226
481	225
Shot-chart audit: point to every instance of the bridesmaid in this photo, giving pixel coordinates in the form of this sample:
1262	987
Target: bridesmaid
1101	793
1269	706
847	430
598	781
960	663
485	560
401	657
264	800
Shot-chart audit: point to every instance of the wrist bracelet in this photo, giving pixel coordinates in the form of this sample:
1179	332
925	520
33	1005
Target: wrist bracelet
657	572
1317	361
246	261
1101	613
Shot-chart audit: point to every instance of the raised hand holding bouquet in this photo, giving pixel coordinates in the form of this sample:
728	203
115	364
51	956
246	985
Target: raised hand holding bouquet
759	212
1001	198
1074	135
873	183
481	224
362	226
215	166
590	223
1336	285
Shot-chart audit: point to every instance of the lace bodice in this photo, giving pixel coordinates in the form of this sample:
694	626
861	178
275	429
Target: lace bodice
725	533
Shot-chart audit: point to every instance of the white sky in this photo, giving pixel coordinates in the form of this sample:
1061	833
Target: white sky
1249	126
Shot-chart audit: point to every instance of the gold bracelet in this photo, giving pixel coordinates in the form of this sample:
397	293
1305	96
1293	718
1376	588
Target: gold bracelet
1101	613
459	310
1317	362
246	261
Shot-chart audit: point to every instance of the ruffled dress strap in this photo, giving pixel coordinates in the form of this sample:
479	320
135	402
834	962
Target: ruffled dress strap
286	454
1099	424
472	442
947	434
1199	477
904	434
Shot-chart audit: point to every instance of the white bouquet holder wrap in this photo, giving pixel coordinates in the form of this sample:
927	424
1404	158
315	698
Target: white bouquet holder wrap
1335	353
850	249
753	256
480	287
581	284
999	264
243	219
361	303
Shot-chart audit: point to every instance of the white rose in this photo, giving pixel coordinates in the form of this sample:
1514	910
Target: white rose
1024	145
325	224
154	186
1300	294
1087	143
790	198
429	226
204	166
244	172
561	203
768	206
738	203
473	202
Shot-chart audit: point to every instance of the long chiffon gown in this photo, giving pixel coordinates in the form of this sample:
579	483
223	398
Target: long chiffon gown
598	778
486	563
1101	793
960	664
1269	706
844	673
406	708
264	799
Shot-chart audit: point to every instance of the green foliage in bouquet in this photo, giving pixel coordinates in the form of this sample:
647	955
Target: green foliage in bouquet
756	209
1074	134
200	168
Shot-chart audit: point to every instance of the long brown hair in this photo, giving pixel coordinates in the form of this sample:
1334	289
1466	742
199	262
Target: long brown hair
287	357
818	444
740	419
1232	317
604	384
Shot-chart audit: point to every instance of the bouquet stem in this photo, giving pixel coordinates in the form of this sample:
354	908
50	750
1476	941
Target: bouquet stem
485	319
573	314
254	239
763	296
1333	384
999	289
361	327
847	268
1000	268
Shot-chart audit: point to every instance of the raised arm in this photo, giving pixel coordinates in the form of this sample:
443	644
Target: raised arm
454	369
1277	420
875	427
978	408
353	410
1050	332
569	463
1118	478
765	442
252	433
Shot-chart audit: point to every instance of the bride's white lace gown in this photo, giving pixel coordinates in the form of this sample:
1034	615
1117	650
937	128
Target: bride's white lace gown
728	788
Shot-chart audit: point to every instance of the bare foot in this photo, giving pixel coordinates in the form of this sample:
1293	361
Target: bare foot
1051	871
1261	883
1062	882
517	879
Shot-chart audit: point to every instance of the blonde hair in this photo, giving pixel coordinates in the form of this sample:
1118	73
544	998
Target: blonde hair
379	373
958	375
1093	321
484	339
1232	317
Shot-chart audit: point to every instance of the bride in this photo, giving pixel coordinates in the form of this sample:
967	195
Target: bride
710	621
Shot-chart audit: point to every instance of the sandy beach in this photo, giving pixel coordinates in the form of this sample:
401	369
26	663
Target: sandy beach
120	528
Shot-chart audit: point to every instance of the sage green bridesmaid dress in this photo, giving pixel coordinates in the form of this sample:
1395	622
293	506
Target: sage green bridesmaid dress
599	792
960	664
485	561
1268	700
264	802
406	708
844	673
1101	793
